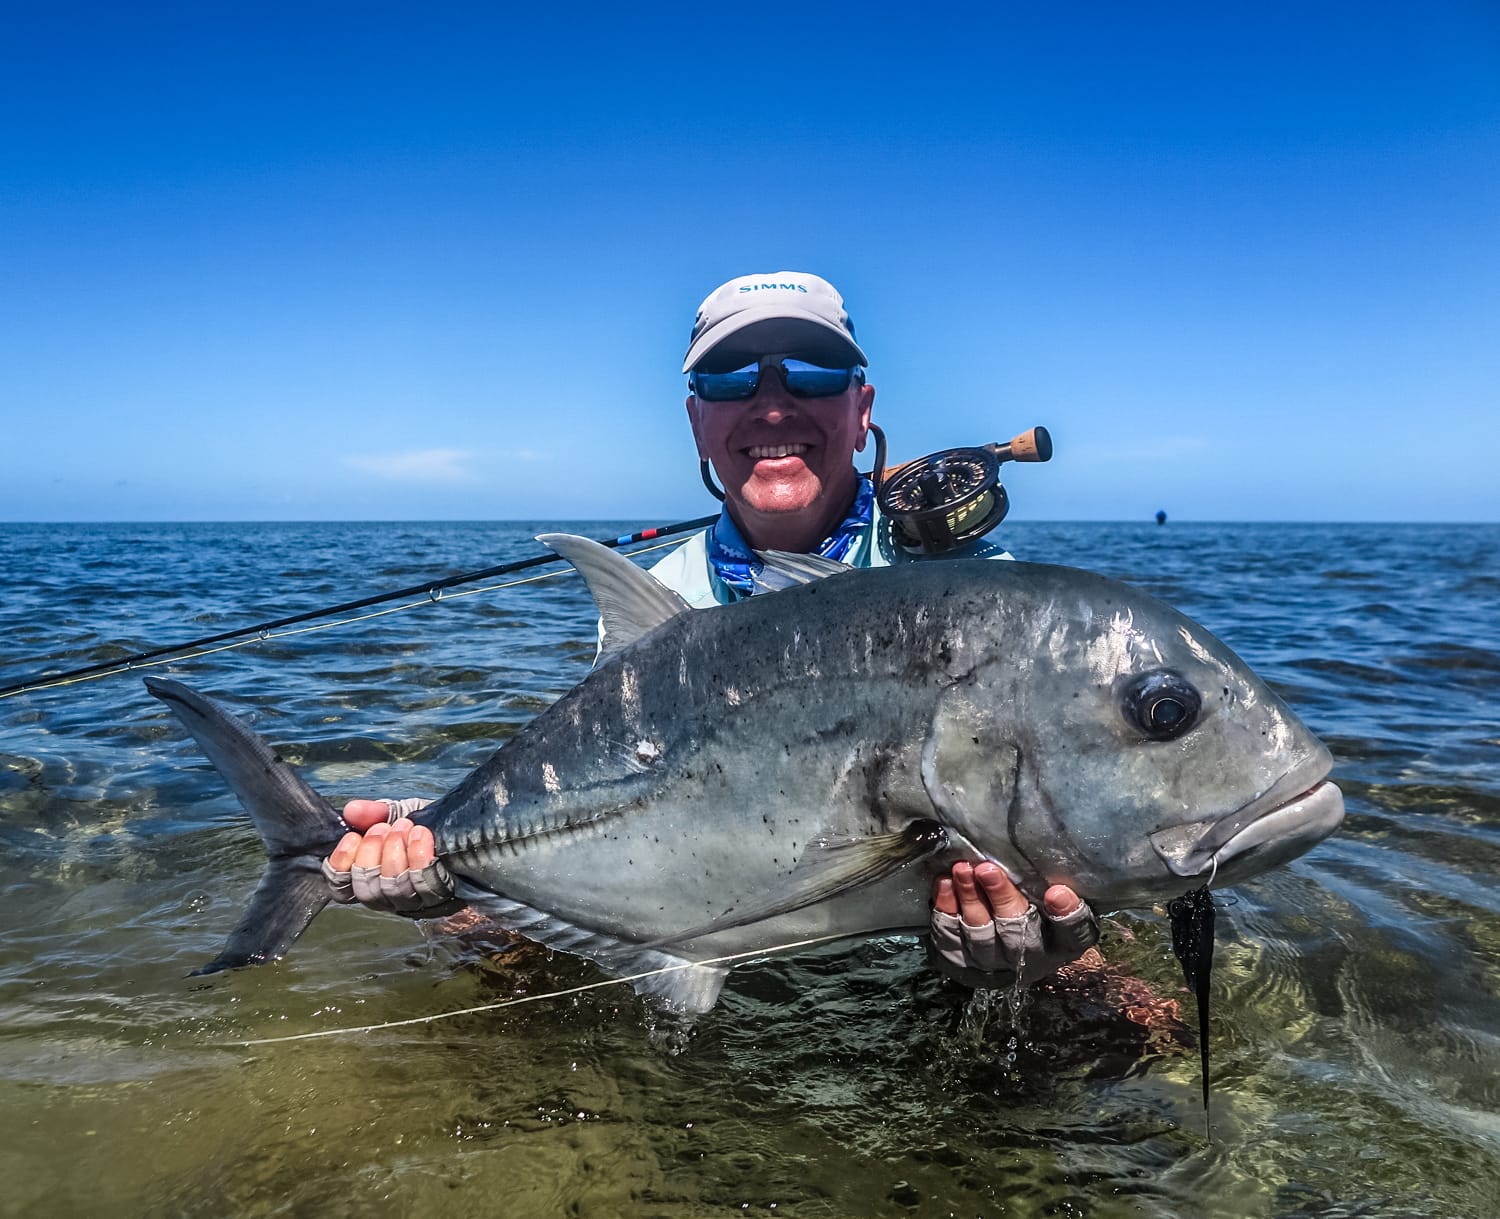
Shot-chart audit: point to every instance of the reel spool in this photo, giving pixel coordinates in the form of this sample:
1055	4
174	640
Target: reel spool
950	498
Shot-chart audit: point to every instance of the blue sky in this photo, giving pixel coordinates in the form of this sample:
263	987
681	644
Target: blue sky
366	262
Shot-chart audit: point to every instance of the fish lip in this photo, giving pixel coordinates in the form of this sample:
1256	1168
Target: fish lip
1299	810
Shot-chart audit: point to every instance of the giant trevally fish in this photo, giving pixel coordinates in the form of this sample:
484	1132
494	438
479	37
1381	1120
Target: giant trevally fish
802	764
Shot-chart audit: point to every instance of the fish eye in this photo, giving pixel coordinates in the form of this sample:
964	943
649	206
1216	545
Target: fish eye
1163	704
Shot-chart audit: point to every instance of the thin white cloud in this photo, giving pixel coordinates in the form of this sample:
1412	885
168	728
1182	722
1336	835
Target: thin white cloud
418	465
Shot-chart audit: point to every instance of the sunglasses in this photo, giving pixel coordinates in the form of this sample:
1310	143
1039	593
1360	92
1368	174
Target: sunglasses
802	380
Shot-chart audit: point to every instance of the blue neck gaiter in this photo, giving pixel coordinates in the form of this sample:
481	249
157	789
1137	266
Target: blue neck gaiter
734	563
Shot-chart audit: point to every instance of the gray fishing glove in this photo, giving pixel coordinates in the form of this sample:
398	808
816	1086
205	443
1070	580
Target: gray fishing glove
416	893
1033	944
404	808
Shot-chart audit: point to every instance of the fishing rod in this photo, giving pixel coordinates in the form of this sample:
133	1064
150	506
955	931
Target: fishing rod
433	590
935	504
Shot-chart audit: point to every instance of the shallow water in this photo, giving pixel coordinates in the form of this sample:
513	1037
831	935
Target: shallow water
1356	1016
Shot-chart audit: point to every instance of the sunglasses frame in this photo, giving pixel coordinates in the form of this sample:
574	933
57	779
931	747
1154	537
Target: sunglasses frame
854	374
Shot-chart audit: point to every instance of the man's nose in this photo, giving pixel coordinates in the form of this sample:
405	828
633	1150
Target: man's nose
771	401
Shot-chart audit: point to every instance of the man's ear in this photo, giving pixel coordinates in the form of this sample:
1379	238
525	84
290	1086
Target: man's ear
694	413
866	405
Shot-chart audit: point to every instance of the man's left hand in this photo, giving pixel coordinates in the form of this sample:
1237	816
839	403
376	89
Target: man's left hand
984	931
391	867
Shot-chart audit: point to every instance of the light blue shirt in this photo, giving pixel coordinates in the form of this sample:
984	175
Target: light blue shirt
687	571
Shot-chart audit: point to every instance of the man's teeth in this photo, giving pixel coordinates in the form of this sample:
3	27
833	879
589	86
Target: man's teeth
761	452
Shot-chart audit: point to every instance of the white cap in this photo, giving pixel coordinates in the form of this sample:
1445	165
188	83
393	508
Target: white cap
786	312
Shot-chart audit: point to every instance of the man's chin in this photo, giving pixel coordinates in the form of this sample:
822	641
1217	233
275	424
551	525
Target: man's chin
781	501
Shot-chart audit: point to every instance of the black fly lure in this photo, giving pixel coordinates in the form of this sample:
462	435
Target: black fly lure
1192	917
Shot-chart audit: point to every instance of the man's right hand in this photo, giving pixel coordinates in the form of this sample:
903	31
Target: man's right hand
390	866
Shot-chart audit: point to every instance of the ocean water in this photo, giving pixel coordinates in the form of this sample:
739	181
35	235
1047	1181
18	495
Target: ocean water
1356	995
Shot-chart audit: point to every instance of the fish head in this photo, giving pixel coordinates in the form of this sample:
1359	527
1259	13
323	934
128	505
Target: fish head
1112	744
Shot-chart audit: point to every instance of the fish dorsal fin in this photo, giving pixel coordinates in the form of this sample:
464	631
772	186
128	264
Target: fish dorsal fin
782	569
631	601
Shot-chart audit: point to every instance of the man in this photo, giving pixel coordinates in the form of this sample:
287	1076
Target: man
779	405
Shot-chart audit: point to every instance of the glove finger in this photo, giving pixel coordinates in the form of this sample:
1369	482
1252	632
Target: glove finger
433	884
422	892
1073	934
400	892
367	889
341	885
1006	942
948	940
404	808
981	948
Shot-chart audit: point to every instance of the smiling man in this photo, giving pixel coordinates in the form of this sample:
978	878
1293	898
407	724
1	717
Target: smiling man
779	404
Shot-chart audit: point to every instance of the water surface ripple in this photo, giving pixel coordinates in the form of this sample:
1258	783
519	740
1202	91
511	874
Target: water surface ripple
1357	993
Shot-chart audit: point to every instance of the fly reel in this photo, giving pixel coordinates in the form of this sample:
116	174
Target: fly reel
953	497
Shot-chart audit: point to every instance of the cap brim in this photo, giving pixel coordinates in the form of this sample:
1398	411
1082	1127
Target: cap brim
756	332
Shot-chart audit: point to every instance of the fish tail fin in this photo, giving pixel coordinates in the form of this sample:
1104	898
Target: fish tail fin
297	826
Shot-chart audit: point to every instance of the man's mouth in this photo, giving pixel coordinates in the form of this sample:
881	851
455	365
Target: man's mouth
770	452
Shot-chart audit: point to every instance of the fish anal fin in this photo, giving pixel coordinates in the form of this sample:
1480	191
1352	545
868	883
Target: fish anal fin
678	984
687	989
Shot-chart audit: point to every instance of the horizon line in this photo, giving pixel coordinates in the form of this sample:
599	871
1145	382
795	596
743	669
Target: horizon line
613	520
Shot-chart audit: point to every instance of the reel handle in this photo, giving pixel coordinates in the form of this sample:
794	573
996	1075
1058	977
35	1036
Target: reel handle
1034	444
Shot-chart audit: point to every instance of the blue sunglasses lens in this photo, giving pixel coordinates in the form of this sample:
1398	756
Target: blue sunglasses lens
802	380
733	386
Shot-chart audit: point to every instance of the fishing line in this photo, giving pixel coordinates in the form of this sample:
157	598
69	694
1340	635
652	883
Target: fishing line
263	632
555	994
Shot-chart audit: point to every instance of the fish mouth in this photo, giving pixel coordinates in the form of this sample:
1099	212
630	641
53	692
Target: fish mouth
1296	814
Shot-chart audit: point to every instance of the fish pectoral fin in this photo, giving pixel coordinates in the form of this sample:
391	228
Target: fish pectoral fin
631	601
826	869
781	570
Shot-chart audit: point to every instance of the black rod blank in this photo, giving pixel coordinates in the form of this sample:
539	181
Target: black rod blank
431	589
